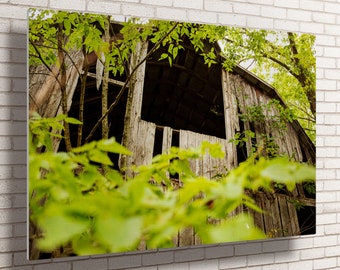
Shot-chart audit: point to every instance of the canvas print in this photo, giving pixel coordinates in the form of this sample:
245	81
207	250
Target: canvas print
147	134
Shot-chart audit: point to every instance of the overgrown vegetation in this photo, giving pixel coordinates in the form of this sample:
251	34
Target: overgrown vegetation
78	200
75	202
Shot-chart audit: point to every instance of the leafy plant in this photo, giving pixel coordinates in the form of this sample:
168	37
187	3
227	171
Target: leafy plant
74	202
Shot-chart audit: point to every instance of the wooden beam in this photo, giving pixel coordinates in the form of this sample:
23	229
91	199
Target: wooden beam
111	81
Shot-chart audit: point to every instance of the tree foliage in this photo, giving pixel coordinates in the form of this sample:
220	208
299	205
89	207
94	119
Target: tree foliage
285	60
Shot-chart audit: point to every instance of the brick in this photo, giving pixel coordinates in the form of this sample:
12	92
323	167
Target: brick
325	62
326	197
219	252
189	4
285	257
287	3
74	5
122	262
174	266
326	263
202	16
191	254
282	266
14	12
260	260
233	263
273	12
138	11
20	229
53	266
247	9
6	230
311	27
158	258
5	201
166	3
331	51
5	26
325	40
248	248
332	229
19	143
331	185
326	107
12	215
104	7
286	25
312	5
218	6
5	260
5	143
171	14
12	128
19	27
304	243
204	265
332	95
37	3
259	22
326	152
299	15
324	18
300	265
12	70
324	175
312	253
332	252
332	7
232	19
13	244
97	264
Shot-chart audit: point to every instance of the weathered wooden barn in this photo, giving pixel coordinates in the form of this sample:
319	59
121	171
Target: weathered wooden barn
183	105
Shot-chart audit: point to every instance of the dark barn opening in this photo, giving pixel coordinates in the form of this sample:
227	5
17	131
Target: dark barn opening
186	95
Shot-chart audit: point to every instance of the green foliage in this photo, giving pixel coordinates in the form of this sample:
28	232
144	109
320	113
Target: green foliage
104	213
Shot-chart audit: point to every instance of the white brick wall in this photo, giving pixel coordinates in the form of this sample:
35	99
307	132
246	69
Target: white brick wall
321	17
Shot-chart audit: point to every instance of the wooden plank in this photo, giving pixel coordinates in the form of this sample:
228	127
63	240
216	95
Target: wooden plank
285	217
186	237
133	106
258	217
145	143
231	119
293	219
167	138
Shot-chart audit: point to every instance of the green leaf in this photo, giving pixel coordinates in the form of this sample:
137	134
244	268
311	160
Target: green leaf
72	120
58	227
238	228
84	148
112	146
99	156
119	233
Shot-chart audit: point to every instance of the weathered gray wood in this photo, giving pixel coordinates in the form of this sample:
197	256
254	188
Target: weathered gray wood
230	119
293	219
285	217
44	90
133	107
144	151
167	139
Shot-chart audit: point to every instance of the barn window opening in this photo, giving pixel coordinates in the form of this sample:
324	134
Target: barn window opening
157	150
184	96
306	217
